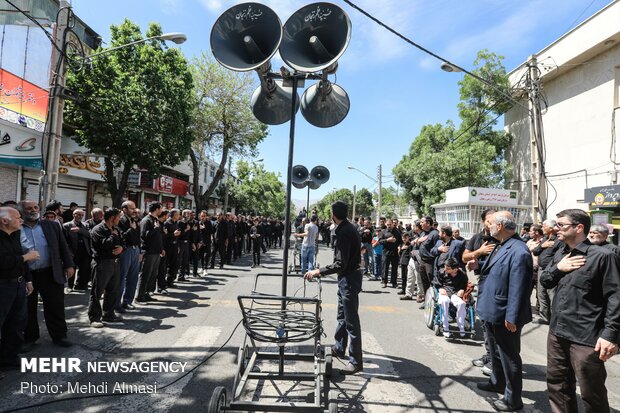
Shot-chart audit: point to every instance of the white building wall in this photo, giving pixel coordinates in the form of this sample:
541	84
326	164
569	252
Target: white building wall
8	183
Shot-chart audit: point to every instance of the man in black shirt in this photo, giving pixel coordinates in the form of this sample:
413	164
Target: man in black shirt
391	240
152	247
346	265
426	243
107	246
585	321
15	286
598	236
78	240
185	240
221	240
545	251
452	283
403	261
206	234
130	258
171	234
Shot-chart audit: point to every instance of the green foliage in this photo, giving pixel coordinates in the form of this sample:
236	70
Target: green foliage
443	157
136	106
323	207
392	201
222	122
258	191
363	203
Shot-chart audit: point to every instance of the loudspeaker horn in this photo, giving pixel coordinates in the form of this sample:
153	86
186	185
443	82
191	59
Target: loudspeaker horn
246	36
313	185
315	37
271	103
325	104
299	176
319	175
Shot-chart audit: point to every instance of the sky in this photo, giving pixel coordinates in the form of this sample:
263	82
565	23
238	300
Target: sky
393	87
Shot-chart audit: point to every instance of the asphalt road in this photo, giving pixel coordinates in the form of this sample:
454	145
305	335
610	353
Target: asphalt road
406	367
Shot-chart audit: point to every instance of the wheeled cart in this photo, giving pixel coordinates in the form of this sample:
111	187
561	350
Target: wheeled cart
275	322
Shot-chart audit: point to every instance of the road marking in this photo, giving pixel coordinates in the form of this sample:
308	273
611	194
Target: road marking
386	309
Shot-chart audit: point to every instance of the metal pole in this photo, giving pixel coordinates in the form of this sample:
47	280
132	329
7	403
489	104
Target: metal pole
54	126
287	213
379	204
539	202
353	213
308	204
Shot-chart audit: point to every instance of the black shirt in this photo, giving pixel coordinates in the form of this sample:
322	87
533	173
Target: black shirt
390	247
104	241
151	236
427	246
12	263
131	236
405	253
586	305
476	242
545	255
347	247
453	285
206	232
366	235
170	240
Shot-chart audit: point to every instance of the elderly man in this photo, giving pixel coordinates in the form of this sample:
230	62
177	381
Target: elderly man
96	217
504	307
545	251
585	321
78	239
15	285
49	274
598	236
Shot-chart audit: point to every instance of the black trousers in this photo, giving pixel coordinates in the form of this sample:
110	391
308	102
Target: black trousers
172	262
83	271
184	248
150	268
348	329
229	250
13	319
404	268
205	255
162	283
53	295
390	259
256	253
106	279
220	248
505	348
568	362
194	256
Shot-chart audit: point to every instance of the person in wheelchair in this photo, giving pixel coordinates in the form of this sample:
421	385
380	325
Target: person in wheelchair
451	284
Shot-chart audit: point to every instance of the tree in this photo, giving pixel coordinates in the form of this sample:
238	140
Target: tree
392	202
136	106
442	157
222	122
363	203
257	191
323	207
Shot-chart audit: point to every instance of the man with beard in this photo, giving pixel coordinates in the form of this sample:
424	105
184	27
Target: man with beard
130	258
49	274
426	242
171	234
152	247
231	231
545	252
79	242
504	307
96	216
206	234
221	239
390	240
598	236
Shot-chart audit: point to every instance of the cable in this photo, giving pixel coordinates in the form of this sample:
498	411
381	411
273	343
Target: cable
579	17
436	56
32	19
92	396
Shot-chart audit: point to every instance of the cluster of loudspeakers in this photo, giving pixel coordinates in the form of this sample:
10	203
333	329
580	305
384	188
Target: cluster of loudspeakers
313	179
248	35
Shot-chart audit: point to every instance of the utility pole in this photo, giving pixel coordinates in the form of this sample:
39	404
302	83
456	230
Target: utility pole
52	137
539	185
353	213
379	173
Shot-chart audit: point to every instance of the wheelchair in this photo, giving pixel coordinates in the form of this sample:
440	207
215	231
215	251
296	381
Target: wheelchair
433	314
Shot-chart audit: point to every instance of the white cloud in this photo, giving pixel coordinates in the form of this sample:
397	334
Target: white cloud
170	6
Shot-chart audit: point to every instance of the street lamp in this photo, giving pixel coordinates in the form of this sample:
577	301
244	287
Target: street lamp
49	177
377	181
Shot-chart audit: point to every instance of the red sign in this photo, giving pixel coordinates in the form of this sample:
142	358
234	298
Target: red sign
169	185
22	102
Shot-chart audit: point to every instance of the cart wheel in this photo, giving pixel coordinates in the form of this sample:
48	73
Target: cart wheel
437	330
218	400
328	361
333	401
429	307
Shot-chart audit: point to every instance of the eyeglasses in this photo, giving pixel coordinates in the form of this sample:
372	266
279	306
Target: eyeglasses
561	226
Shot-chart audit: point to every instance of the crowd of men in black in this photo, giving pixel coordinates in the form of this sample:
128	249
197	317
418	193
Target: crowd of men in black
122	255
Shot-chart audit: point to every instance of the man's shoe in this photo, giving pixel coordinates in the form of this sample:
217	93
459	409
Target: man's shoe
62	342
148	298
172	285
487	386
401	293
351	369
96	324
339	354
541	322
182	279
384	285
486	369
501	406
406	298
26	347
419	299
68	290
112	318
121	310
128	307
481	361
140	301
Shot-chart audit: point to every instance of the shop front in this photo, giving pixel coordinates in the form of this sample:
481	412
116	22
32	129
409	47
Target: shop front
604	206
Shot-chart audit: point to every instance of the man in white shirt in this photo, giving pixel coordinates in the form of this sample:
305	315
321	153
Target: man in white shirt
308	247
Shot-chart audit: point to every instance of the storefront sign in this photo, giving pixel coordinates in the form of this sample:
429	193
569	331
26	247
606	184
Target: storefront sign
602	196
21	102
169	185
74	163
482	196
20	145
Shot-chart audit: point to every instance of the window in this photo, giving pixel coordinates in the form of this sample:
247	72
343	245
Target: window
212	171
